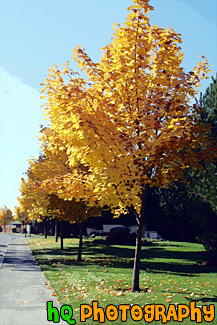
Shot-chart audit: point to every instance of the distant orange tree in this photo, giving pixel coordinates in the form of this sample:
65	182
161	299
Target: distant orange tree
130	121
5	216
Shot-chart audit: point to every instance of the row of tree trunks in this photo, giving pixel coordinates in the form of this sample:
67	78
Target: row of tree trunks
62	235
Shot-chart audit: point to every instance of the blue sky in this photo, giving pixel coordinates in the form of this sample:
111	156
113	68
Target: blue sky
34	34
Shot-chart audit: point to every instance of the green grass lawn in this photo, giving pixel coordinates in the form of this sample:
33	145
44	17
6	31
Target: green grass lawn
171	273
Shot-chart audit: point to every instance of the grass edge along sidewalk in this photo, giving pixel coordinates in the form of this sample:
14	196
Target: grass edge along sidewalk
172	273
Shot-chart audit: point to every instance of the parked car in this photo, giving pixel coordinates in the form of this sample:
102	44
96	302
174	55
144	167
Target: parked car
121	236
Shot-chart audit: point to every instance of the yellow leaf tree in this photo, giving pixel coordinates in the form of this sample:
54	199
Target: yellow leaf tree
130	121
33	202
5	216
35	199
74	212
20	215
52	172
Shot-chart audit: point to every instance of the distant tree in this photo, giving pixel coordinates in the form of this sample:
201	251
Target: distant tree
74	212
51	173
34	201
21	215
5	216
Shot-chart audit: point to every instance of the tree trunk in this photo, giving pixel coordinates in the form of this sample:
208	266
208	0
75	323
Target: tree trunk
80	241
61	234
56	230
45	227
140	222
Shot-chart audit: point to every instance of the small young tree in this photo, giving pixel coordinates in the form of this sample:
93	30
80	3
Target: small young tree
130	121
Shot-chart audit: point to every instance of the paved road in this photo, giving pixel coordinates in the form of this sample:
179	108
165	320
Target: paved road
23	293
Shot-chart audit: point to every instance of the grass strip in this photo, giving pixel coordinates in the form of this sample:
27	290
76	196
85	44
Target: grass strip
171	273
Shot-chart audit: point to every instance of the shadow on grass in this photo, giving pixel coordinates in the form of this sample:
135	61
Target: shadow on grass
204	300
95	252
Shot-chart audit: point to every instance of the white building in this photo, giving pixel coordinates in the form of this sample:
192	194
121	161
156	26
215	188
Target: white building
106	229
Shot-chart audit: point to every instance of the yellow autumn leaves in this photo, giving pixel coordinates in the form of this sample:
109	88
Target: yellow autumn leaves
126	123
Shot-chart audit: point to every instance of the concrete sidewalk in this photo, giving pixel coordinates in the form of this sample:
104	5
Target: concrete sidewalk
23	292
